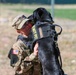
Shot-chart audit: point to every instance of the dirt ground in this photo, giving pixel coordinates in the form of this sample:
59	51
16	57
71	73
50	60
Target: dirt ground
8	35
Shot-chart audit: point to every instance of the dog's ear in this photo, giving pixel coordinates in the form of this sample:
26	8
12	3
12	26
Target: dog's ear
36	15
30	17
51	17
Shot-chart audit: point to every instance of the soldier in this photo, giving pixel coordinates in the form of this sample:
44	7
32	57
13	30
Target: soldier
21	55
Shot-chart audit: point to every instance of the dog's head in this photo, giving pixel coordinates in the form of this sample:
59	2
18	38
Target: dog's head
41	14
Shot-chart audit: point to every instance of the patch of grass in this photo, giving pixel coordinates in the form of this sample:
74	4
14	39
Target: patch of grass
59	13
66	13
29	11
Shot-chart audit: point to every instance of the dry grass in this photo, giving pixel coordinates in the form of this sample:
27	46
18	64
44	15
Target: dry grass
67	40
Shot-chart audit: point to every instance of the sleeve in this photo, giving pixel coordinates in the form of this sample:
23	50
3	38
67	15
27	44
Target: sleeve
30	57
19	46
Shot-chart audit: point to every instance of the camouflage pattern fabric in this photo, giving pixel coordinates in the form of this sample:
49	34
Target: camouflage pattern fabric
27	62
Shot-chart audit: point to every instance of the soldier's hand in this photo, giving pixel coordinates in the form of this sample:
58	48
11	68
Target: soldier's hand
36	49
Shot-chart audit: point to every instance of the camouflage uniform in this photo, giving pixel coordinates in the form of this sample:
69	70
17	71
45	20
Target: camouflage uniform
22	57
25	62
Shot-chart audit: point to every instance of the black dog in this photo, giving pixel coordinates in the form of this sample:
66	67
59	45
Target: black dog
48	50
46	37
47	57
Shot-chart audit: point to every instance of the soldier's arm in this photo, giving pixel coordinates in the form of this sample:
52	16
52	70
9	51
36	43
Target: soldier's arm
19	45
30	58
33	55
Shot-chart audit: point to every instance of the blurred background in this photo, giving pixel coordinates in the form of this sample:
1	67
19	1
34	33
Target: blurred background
63	13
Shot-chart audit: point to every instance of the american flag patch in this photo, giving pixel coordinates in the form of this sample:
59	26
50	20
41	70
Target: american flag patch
15	51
